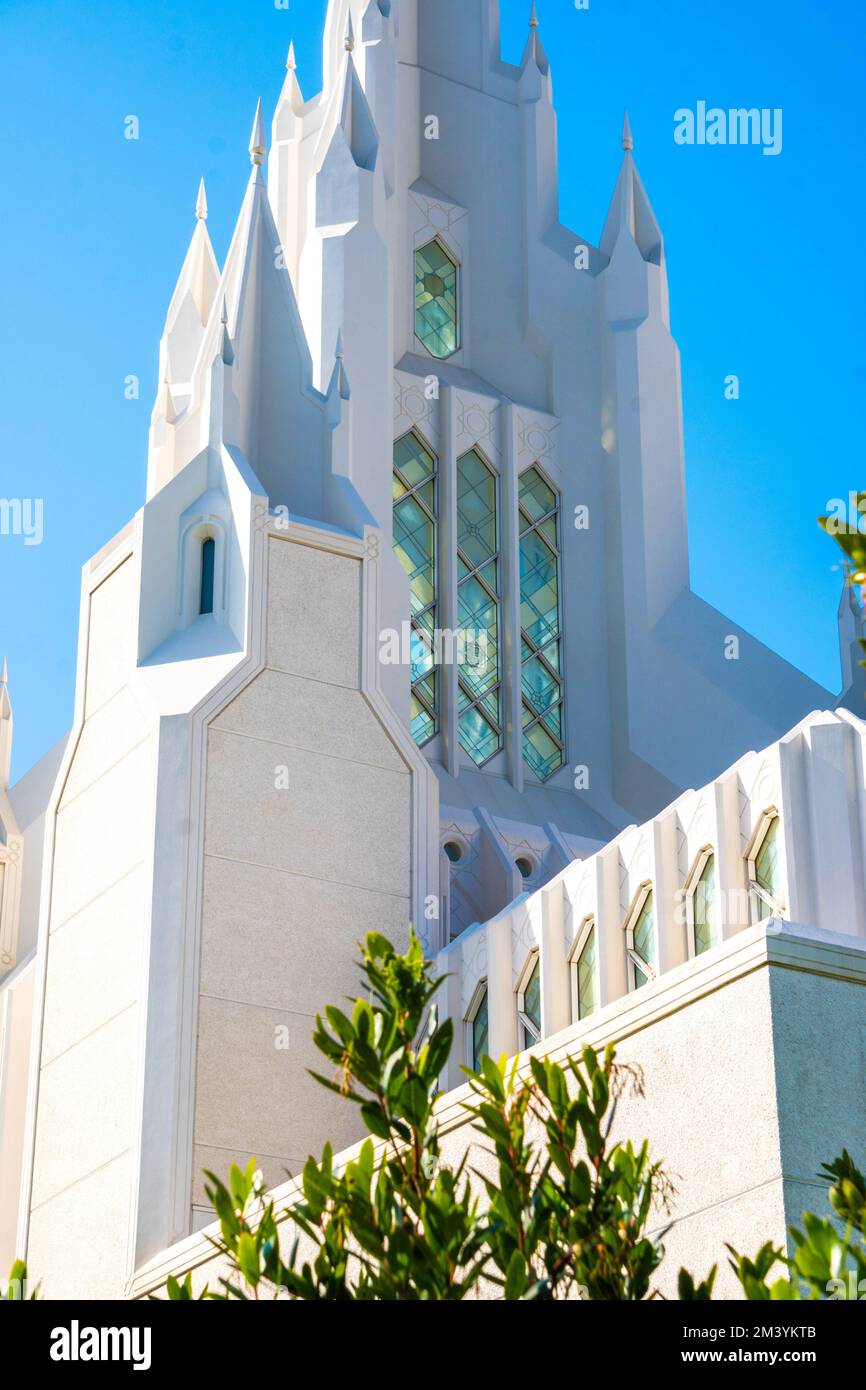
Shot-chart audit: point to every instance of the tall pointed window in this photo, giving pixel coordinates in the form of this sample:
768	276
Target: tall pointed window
479	1025
585	981
766	873
642	943
704	914
543	731
436	319
415	543
208	565
478	608
529	1005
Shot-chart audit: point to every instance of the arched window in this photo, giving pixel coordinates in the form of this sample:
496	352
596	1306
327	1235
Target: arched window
584	974
478	1025
478	608
543	732
529	1004
641	941
436	304
416	544
208	565
704	906
765	871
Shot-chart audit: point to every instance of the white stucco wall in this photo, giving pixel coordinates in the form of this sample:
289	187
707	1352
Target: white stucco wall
88	1061
298	865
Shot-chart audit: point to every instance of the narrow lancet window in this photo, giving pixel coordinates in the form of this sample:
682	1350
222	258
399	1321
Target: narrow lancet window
208	561
479	694
415	544
543	731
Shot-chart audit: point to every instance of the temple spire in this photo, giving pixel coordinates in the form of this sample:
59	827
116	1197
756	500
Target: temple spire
258	148
201	203
630	211
349	42
291	61
534	54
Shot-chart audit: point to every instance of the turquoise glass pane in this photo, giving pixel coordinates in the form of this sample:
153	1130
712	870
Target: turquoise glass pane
532	1004
422	722
436	300
539	590
767	868
479	1033
541	751
414	542
537	499
645	938
540	687
476	510
477	737
414	494
478	614
587	997
414	462
704	902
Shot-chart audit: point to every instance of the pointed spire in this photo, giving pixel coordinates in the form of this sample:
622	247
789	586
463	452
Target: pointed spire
534	51
291	61
630	209
258	148
349	42
201	203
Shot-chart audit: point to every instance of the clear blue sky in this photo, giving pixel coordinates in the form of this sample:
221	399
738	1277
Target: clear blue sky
765	261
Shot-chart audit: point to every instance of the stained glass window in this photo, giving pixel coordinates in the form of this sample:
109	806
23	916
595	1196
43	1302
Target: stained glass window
543	731
704	907
415	543
479	694
644	941
436	300
531	1021
479	1032
208	565
767	868
587	995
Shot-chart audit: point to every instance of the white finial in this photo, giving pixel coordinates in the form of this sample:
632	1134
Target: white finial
201	203
258	147
350	35
4	674
338	350
627	140
533	18
224	316
291	61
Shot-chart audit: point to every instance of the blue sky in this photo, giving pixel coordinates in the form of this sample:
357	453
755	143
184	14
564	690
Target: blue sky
764	259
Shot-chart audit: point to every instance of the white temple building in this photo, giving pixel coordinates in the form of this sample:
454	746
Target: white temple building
404	632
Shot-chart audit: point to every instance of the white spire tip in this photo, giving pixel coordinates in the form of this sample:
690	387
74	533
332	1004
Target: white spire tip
258	147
